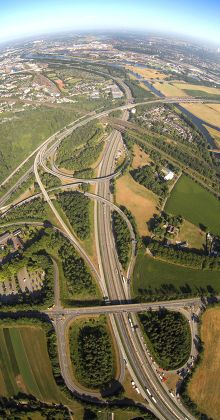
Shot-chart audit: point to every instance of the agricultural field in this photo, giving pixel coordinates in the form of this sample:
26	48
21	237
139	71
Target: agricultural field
215	134
25	364
92	352
21	135
204	387
207	112
194	204
196	90
147	73
141	202
155	279
168	89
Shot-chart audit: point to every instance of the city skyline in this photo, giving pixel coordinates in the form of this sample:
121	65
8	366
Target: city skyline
197	20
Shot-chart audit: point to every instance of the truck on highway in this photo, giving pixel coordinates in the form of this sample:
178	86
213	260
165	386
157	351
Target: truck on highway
148	391
130	321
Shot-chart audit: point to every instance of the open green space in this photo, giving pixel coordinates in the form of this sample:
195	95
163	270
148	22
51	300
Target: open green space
92	352
202	94
157	280
22	135
168	337
195	204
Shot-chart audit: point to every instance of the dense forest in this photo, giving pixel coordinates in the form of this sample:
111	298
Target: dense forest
77	208
33	210
169	337
82	148
91	353
49	180
122	238
78	277
149	176
137	91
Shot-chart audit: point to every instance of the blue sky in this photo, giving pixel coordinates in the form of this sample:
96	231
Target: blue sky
197	18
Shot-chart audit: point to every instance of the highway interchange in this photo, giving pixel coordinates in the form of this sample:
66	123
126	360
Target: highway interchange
130	343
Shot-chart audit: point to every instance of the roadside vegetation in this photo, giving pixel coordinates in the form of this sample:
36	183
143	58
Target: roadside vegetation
77	275
34	210
82	148
168	337
92	353
77	208
122	238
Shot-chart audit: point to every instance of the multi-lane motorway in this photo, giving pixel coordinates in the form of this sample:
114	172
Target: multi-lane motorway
109	276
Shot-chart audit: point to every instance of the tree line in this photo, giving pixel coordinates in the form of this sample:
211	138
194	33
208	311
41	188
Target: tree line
184	256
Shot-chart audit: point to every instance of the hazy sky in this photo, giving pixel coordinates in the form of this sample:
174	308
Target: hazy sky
199	18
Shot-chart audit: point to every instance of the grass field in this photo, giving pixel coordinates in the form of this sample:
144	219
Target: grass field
25	364
192	234
168	89
195	204
157	278
140	201
147	73
204	388
140	157
199	88
207	112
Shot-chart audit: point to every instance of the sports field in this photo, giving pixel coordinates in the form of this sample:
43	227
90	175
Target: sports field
154	278
204	388
194	204
141	202
25	364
